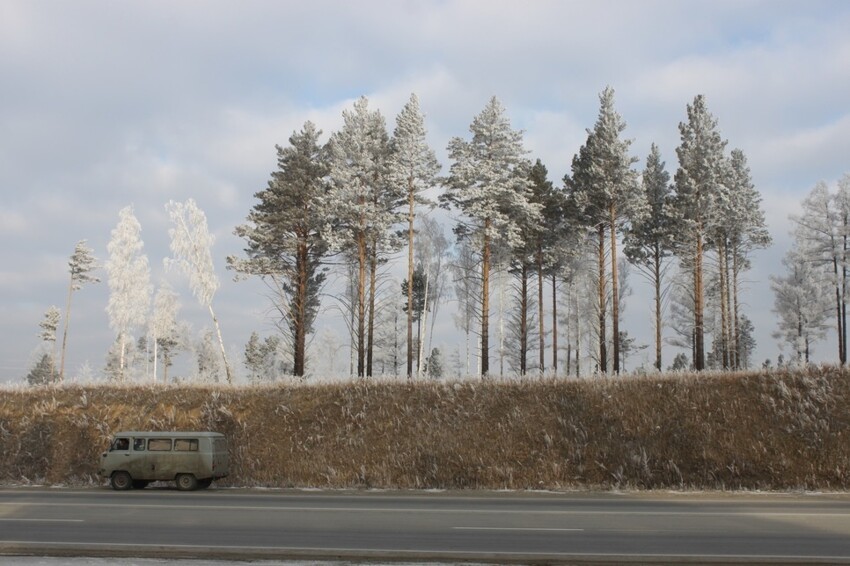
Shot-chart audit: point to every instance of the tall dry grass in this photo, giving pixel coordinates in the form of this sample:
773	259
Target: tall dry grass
779	430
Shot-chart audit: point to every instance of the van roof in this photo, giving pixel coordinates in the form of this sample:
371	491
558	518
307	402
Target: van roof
168	434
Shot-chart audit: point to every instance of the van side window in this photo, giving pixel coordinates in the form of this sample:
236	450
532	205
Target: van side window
138	444
159	444
186	444
121	444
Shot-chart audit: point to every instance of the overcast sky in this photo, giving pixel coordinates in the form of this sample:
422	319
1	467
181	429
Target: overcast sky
106	104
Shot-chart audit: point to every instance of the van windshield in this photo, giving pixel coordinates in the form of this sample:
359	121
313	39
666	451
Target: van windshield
120	444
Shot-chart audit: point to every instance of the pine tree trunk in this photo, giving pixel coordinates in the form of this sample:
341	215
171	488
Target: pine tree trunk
839	321
554	324
361	305
615	291
540	314
658	328
603	346
523	320
735	315
699	334
300	312
501	319
724	321
373	275
485	300
410	218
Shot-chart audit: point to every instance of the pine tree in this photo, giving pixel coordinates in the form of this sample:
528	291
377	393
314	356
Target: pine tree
362	208
699	187
285	243
649	242
128	276
488	182
49	326
743	230
81	265
191	248
605	188
44	372
413	166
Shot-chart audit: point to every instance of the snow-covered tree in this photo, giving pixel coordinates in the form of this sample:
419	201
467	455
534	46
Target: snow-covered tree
361	210
81	265
464	267
821	235
164	329
741	230
605	188
44	372
802	302
285	245
128	276
700	187
191	245
208	358
489	183
254	358
649	242
50	325
413	167
432	251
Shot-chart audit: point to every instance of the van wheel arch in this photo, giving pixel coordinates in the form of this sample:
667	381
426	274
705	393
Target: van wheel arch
121	480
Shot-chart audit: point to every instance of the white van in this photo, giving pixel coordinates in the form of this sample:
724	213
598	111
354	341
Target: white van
191	459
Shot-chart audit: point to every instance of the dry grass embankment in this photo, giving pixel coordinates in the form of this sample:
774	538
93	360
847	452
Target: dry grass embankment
781	430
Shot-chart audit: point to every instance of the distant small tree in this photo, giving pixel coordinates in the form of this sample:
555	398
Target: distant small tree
254	357
680	362
49	326
209	362
44	372
435	364
81	265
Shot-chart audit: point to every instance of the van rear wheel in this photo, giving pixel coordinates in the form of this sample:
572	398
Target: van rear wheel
121	481
187	482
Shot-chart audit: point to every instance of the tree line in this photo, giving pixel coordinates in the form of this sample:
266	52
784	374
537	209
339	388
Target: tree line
347	209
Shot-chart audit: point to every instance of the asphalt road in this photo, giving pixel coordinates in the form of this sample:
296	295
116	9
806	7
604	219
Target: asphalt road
414	526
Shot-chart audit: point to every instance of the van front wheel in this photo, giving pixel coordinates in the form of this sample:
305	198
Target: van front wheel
121	481
187	482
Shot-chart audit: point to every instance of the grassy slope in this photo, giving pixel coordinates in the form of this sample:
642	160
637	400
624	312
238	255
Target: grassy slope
753	431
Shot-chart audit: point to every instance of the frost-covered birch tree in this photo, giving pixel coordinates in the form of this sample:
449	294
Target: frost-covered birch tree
128	275
488	182
822	233
285	244
191	245
802	303
414	167
164	329
81	265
